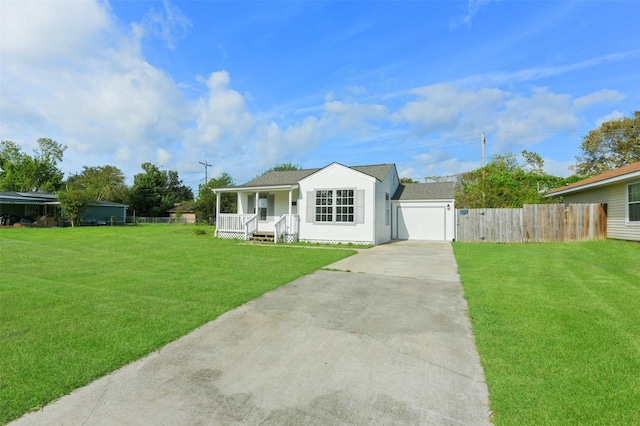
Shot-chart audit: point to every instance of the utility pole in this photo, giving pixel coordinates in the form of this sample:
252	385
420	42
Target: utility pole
484	200
484	142
206	167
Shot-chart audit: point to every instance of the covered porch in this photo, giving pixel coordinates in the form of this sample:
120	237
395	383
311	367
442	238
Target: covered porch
270	212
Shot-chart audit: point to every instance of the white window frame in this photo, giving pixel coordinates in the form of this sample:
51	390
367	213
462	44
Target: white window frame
263	204
323	211
628	204
333	208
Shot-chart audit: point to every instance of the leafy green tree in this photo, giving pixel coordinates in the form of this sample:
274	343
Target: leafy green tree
104	183
614	144
282	167
206	203
22	172
155	191
408	180
533	162
74	203
507	182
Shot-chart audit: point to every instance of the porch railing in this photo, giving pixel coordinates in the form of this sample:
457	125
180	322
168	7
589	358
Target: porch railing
242	224
250	226
288	225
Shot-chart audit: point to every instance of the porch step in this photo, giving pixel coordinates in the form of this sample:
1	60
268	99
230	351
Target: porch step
263	236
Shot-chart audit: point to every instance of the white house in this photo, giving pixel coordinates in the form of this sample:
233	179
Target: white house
618	191
339	204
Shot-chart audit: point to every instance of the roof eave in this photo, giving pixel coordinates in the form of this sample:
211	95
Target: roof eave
594	184
256	188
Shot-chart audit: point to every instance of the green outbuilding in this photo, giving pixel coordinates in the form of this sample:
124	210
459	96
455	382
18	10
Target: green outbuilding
42	209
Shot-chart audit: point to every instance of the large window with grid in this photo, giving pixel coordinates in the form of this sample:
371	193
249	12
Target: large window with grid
324	205
633	202
344	205
335	205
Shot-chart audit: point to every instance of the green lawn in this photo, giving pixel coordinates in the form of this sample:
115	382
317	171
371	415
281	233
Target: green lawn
77	303
558	330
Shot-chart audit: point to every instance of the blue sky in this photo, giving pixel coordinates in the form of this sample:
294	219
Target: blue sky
245	85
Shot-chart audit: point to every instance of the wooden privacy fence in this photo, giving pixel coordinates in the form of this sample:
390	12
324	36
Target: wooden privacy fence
535	223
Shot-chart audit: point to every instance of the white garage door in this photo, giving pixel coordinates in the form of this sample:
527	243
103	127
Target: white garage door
421	223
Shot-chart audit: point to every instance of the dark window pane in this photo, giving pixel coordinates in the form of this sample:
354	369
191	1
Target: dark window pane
634	192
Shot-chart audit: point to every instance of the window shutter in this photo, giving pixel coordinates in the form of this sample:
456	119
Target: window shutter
251	205
271	201
311	204
360	206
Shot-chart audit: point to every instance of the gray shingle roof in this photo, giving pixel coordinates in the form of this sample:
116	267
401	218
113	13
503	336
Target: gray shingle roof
284	177
378	171
292	177
425	191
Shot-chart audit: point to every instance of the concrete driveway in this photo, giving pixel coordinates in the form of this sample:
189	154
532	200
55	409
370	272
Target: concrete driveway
380	338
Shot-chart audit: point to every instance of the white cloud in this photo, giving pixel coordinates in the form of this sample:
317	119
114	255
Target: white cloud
473	7
71	73
537	73
275	145
222	118
513	120
352	118
437	162
123	154
614	115
600	97
527	120
169	25
45	31
334	120
445	108
163	157
445	123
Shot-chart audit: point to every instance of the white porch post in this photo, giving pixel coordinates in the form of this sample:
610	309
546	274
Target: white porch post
217	210
257	208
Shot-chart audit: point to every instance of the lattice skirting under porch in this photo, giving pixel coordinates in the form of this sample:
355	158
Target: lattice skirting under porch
230	235
363	243
290	238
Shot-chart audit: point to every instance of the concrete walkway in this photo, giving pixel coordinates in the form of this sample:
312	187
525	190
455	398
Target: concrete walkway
386	341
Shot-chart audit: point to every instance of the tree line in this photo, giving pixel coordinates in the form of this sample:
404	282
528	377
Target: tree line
506	181
154	191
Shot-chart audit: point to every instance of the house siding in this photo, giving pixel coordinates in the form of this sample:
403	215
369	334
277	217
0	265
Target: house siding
387	186
336	176
615	197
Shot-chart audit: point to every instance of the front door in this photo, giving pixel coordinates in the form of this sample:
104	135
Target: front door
265	206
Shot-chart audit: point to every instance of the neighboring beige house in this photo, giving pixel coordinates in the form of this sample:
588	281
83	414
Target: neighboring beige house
618	191
188	215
